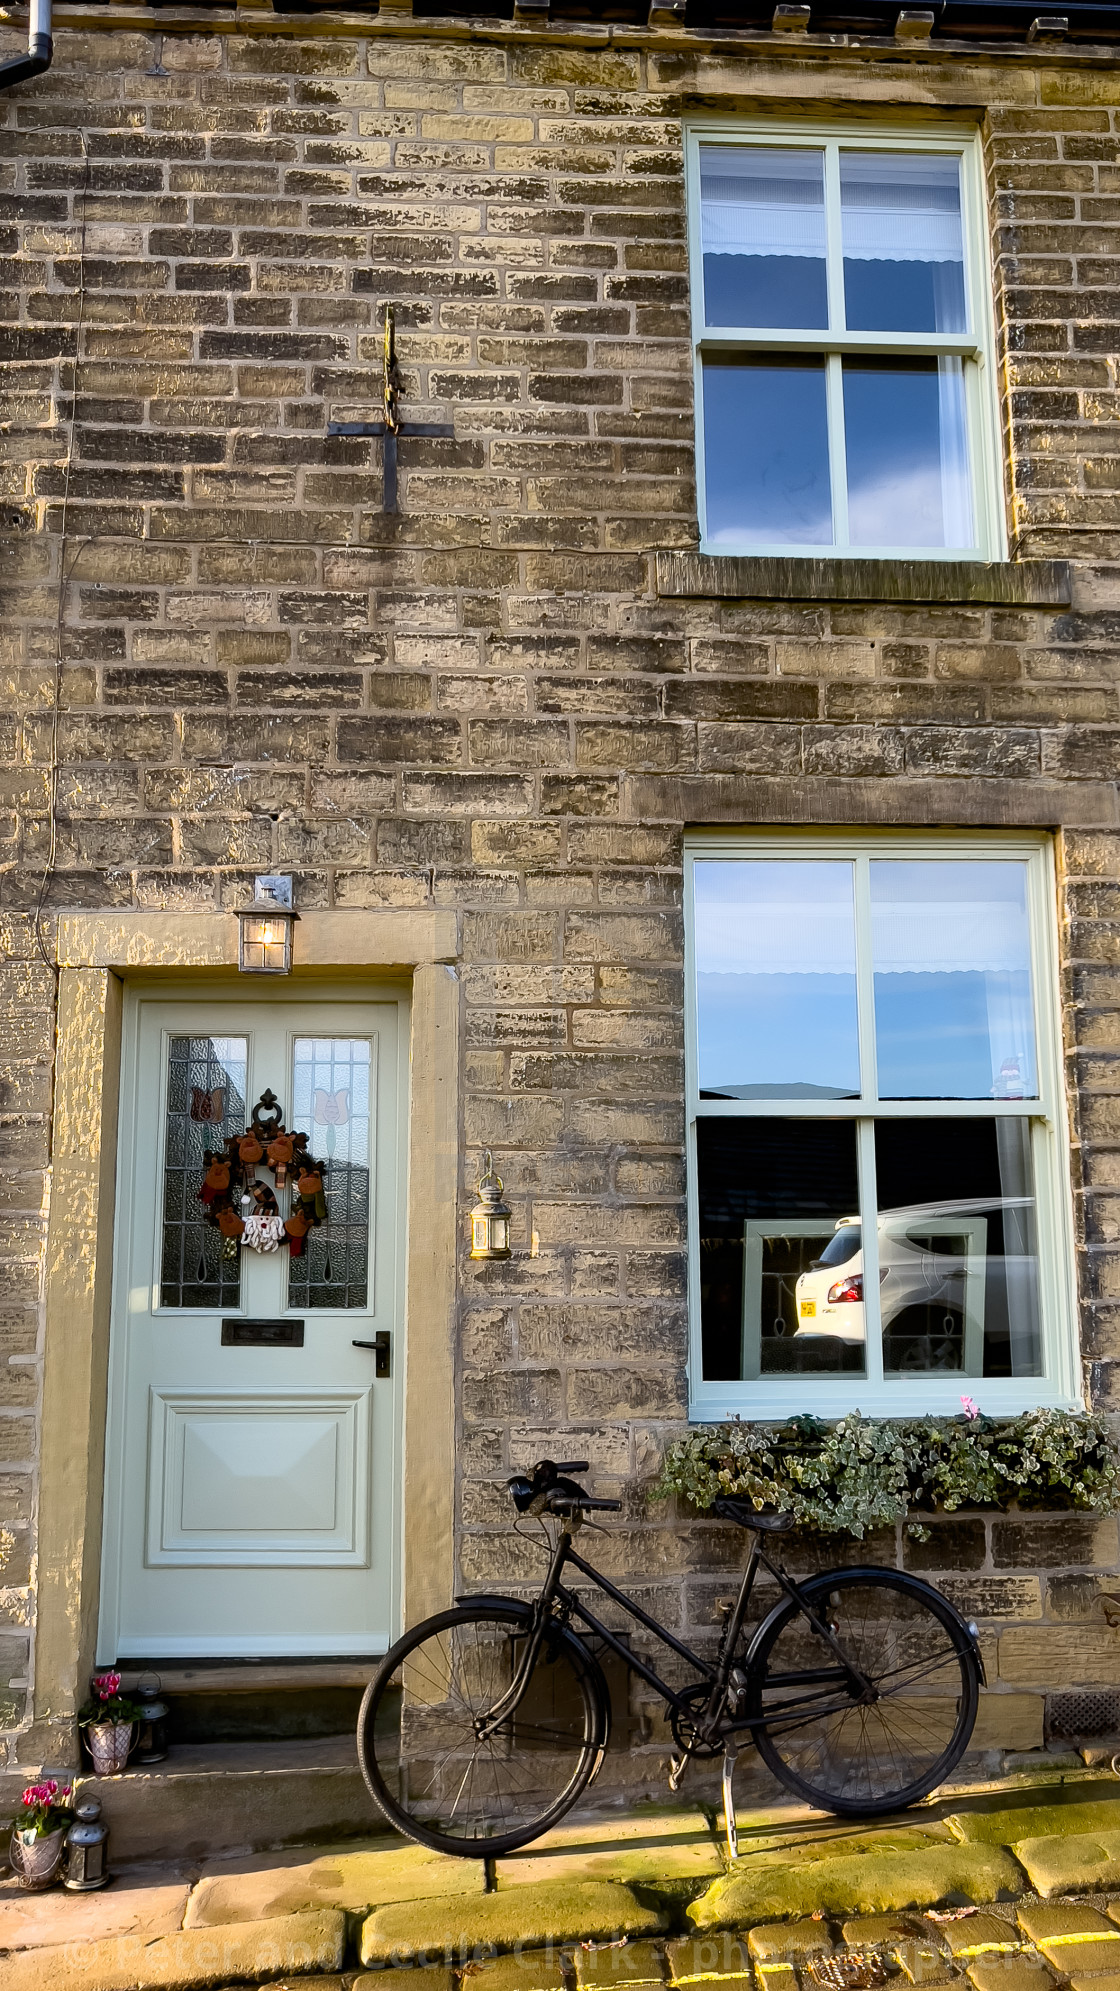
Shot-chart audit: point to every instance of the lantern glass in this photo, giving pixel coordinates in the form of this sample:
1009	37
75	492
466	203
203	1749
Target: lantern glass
490	1217
266	943
266	928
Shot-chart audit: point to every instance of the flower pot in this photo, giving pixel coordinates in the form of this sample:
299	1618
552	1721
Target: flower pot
108	1743
36	1858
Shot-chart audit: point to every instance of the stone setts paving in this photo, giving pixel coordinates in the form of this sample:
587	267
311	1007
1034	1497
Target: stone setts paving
1010	1887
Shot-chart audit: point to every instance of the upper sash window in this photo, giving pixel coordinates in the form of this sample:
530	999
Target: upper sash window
841	310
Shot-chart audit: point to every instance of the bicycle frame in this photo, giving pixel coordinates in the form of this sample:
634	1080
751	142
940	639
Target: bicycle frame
718	1676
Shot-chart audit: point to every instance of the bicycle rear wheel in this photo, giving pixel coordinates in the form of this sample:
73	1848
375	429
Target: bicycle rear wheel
431	1772
860	1758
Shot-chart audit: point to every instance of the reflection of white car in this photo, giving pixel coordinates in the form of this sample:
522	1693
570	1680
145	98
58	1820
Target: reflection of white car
932	1261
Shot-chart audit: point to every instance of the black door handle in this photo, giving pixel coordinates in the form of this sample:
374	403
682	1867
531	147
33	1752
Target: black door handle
382	1347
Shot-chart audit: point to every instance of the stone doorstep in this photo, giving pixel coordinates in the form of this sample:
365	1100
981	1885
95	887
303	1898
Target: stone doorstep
209	1798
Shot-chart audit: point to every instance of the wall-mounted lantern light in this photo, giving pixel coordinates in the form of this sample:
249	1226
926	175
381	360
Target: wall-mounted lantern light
266	929
490	1216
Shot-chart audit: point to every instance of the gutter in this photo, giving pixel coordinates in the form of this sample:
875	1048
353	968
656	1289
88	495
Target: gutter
19	68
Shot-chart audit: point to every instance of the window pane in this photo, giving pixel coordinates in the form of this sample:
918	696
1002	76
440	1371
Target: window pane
903	249
958	1255
771	1195
206	1080
762	227
766	452
331	1093
954	1015
776	979
907	453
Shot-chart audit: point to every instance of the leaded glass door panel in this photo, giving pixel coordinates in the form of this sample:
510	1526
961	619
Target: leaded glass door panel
251	1504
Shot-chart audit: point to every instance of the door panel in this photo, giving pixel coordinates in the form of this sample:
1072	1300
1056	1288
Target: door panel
251	1501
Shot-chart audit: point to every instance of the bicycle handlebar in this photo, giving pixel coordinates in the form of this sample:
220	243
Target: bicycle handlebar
561	1496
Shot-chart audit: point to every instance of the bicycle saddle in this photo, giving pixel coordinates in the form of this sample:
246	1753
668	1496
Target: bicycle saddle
746	1516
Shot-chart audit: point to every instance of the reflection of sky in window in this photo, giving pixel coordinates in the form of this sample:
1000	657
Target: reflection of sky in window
951	952
907	458
766	453
775	978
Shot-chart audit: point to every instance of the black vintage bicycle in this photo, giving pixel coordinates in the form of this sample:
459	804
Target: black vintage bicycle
483	1725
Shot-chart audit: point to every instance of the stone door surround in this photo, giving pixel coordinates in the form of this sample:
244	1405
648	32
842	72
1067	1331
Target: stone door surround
97	953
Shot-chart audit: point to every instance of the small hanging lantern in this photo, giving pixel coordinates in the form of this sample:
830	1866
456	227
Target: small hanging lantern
151	1736
266	929
490	1216
87	1845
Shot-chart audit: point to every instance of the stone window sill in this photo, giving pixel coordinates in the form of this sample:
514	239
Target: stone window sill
1032	583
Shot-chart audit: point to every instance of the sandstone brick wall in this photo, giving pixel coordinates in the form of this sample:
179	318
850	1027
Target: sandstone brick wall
484	703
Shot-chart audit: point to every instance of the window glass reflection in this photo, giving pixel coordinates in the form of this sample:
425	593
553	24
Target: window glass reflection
766	475
958	1254
772	1194
903	246
763	232
907	453
332	1105
954	1015
776	979
206	1103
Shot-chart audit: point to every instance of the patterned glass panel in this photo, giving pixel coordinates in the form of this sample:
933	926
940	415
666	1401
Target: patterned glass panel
206	1083
331	1105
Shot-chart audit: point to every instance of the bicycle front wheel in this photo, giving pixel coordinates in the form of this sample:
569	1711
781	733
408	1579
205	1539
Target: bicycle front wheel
434	1765
860	1756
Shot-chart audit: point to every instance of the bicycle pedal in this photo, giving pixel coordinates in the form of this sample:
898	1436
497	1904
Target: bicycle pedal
677	1767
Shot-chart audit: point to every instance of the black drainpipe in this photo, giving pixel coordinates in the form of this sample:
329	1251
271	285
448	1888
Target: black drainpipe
18	68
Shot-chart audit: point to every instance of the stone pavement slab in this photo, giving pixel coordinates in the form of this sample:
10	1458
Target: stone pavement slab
188	1960
868	1884
979	1935
400	1980
647	1844
864	1930
715	1962
531	1970
1071	1938
418	1980
1082	1863
131	1906
551	1912
1010	1973
1035	1821
356	1879
785	1942
620	1966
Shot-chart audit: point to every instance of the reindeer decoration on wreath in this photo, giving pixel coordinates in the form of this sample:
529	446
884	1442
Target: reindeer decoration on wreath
242	1206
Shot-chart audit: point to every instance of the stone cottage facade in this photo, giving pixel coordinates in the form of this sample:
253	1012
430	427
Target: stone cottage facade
476	729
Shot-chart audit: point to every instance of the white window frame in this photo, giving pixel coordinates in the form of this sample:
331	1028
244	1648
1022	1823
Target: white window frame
908	1395
975	347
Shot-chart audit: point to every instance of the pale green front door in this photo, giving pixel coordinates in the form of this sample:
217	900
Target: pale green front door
251	1501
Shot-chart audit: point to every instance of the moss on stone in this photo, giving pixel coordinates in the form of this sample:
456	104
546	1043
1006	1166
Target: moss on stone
1074	1863
1035	1821
875	1883
550	1912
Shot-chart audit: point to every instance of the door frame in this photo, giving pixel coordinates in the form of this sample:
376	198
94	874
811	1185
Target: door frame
281	995
98	954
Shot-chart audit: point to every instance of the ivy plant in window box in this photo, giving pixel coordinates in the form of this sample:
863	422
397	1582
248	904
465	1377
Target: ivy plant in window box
861	1473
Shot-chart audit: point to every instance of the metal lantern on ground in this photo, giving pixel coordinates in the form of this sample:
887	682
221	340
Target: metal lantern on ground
87	1846
151	1736
490	1216
266	928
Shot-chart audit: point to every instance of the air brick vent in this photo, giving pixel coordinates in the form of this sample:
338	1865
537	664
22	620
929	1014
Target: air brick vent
1085	1716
